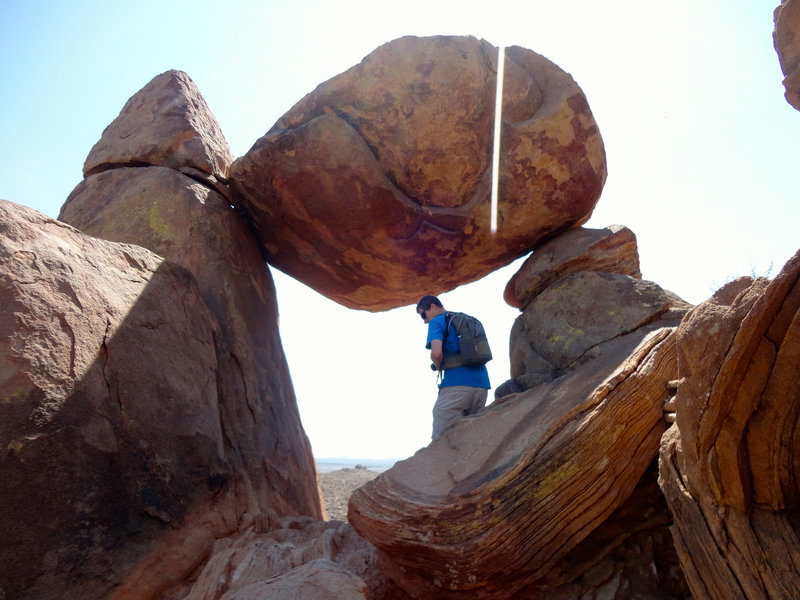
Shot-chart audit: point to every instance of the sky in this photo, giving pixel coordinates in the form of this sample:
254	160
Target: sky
701	145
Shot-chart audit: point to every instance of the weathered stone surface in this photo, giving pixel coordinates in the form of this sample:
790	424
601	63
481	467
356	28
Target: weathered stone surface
167	123
610	250
375	188
193	226
628	556
109	420
494	507
319	579
267	558
581	316
786	38
729	464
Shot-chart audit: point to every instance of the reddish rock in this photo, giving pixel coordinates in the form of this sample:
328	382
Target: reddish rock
580	317
319	579
501	503
628	556
167	123
375	188
110	423
193	226
786	38
728	466
610	250
278	557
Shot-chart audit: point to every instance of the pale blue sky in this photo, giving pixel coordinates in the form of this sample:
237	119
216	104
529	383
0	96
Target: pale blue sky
702	147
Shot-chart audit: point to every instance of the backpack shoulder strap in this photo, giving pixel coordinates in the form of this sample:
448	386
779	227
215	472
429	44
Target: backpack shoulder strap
448	317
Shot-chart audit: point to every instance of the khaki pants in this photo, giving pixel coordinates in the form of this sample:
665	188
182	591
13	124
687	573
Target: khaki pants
456	401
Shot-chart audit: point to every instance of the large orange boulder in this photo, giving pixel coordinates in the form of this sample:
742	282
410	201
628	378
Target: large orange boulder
375	188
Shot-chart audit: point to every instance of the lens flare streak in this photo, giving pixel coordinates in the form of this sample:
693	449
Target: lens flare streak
498	118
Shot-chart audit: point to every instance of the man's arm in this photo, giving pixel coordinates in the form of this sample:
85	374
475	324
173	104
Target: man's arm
436	353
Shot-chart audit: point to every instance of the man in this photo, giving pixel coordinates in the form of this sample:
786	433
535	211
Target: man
463	390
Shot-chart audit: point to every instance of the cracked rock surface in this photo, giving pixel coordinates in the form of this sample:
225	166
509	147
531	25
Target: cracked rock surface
94	333
375	188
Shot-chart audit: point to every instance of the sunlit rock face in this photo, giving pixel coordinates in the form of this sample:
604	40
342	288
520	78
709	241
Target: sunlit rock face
786	38
729	464
167	123
375	188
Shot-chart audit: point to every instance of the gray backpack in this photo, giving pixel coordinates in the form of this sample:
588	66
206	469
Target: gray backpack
473	346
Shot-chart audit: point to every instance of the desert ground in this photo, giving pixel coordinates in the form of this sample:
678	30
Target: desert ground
338	485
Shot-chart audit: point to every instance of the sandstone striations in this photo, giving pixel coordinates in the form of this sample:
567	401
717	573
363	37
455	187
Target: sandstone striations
374	189
786	39
729	463
493	510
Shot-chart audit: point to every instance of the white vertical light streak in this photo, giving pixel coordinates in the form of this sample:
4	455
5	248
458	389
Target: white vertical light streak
498	120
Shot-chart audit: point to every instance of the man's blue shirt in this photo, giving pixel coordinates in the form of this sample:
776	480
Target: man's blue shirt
471	376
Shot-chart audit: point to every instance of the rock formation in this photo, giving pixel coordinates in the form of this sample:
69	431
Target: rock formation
166	123
374	189
729	464
786	39
151	443
110	423
194	486
581	295
501	503
546	485
609	250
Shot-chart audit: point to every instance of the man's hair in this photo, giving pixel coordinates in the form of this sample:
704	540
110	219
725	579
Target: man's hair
427	301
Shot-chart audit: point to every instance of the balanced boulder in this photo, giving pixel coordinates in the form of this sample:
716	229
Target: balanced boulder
375	188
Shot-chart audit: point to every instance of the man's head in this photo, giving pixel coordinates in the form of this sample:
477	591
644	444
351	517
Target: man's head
429	307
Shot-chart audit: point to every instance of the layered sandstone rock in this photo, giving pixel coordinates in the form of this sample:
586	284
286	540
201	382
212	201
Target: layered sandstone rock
786	39
729	463
167	123
492	510
501	503
110	422
375	188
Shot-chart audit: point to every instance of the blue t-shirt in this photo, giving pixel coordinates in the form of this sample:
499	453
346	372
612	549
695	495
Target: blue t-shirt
471	376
